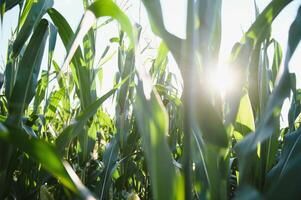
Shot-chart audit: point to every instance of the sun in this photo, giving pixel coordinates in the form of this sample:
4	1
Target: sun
222	79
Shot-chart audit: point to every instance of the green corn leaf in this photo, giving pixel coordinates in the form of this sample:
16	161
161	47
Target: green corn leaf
51	47
110	157
240	59
25	11
87	141
35	14
52	42
160	63
281	91
264	19
267	128
53	103
41	90
252	39
2	9
74	130
253	86
294	112
209	29
256	9
10	72
276	60
211	124
45	154
264	89
89	47
11	3
66	33
81	74
61	77
244	123
269	148
153	125
6	5
155	17
284	177
103	8
100	8
201	166
285	173
163	90
26	78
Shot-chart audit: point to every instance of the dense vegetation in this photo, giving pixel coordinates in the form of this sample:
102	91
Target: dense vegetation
164	141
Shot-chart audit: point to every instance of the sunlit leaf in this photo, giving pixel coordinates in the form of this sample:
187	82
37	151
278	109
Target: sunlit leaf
244	120
153	126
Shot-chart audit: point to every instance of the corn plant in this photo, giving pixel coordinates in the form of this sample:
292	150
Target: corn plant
165	140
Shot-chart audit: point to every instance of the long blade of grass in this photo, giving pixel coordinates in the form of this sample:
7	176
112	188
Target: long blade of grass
80	72
26	78
35	14
153	125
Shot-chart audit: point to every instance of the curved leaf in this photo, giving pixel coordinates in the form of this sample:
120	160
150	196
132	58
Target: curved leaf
265	19
45	154
107	8
244	120
26	78
34	16
80	73
152	122
281	91
98	9
9	4
155	17
285	175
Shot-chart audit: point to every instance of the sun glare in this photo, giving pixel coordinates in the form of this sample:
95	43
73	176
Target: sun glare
222	79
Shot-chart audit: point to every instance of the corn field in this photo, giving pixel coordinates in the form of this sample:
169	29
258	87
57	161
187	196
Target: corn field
169	136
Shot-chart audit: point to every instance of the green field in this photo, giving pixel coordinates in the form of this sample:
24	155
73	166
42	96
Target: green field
168	135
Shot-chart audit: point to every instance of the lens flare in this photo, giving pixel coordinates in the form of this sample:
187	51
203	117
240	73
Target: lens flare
222	79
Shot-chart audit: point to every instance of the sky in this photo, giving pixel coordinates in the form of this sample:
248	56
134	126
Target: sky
237	16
